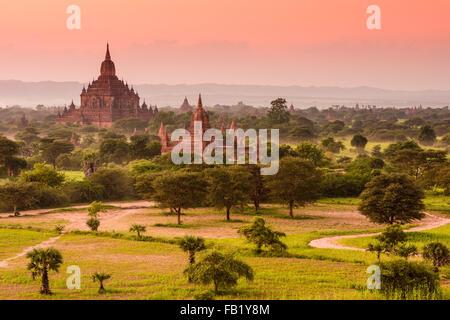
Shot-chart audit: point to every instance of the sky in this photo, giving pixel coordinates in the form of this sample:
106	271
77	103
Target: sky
268	42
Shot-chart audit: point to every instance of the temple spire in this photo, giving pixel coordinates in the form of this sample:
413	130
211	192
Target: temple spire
200	104
107	56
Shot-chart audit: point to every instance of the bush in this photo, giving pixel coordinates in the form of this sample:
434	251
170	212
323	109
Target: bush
43	174
401	279
118	185
84	191
50	197
263	236
343	185
93	224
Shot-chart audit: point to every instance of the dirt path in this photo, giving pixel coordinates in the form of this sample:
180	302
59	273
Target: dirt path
46	243
127	205
78	222
430	222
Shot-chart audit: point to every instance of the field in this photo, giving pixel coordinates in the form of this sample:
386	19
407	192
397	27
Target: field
154	269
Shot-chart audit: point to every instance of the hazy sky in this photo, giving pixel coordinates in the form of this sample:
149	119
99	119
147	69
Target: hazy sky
282	42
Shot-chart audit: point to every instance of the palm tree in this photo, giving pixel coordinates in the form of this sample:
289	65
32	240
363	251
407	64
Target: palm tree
192	245
137	228
223	270
437	253
43	261
100	277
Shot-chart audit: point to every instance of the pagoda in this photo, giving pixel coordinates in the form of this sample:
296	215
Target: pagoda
106	100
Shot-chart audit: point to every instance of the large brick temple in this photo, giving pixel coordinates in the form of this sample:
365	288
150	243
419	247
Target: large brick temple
106	100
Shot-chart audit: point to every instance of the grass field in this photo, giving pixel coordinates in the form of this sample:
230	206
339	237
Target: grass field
154	269
74	175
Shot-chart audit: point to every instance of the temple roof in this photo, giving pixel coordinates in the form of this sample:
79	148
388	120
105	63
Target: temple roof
107	68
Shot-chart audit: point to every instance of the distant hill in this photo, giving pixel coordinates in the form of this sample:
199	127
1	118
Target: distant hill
30	94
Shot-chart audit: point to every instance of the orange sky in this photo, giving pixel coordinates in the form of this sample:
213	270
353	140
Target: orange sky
287	42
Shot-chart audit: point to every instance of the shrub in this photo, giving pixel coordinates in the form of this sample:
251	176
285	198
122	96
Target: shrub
93	224
437	253
50	197
84	191
343	185
43	174
263	236
401	279
117	183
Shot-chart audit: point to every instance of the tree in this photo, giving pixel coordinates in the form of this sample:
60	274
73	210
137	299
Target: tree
311	152
296	183
117	183
14	165
129	124
258	189
8	150
392	241
329	144
417	163
93	224
427	136
51	149
437	253
378	248
391	237
144	184
229	187
223	270
42	262
192	245
376	151
138	229
154	149
263	236
392	150
138	146
392	199
114	150
18	194
359	142
93	210
278	112
43	174
406	251
60	134
179	190
100	277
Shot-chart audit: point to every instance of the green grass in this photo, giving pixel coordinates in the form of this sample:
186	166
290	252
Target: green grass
152	267
171	225
439	203
73	175
155	271
13	241
342	201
